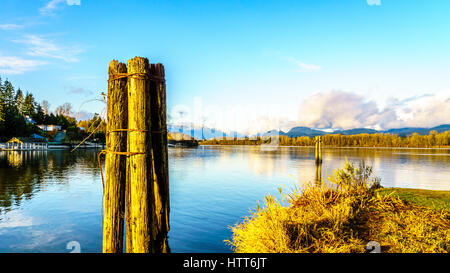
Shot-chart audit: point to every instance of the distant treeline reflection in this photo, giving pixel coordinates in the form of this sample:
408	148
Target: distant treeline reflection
432	140
23	173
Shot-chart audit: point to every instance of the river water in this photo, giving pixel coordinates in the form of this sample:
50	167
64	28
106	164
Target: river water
51	199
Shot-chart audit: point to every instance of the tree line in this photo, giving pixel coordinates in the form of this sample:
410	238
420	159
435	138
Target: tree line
433	139
16	106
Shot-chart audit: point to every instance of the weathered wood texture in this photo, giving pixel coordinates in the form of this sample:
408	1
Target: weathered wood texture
139	171
161	209
318	149
115	165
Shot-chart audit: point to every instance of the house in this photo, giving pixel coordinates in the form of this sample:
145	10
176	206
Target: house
26	143
28	119
49	128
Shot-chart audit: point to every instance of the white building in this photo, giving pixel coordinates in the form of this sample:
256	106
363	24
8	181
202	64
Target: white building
49	128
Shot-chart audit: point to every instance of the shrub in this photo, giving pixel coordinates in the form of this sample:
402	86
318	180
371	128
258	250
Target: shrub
341	216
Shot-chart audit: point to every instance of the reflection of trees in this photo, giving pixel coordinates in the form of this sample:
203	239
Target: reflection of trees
394	165
23	173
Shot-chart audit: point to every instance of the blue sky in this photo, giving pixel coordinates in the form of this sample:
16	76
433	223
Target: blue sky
270	63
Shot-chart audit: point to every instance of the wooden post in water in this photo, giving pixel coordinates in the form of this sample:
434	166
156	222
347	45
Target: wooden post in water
160	212
318	149
115	165
139	172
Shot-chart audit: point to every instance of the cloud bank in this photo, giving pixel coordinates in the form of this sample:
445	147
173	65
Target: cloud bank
40	47
12	65
10	26
53	5
346	110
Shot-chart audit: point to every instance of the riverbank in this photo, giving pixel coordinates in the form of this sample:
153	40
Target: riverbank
437	200
332	147
433	140
346	216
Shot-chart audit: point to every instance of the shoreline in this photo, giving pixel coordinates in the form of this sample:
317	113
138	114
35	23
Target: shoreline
334	147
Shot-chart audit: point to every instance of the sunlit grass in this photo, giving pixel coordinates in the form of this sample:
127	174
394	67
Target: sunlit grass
342	216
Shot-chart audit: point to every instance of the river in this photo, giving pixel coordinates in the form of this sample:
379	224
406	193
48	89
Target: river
51	198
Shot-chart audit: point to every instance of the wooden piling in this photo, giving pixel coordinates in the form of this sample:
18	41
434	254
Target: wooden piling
161	208
115	165
318	149
139	172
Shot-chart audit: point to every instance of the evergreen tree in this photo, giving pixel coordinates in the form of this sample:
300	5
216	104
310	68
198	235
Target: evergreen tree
29	105
19	101
2	104
8	95
39	116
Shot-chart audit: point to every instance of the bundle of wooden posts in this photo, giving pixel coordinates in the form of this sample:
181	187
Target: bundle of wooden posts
136	186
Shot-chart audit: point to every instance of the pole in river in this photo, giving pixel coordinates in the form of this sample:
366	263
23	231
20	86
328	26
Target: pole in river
318	149
139	173
160	154
143	158
115	164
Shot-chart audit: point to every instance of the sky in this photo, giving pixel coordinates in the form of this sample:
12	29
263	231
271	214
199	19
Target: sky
245	65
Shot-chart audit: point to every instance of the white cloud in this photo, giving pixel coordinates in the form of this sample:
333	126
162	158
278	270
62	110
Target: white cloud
53	5
346	110
12	65
303	66
10	26
374	2
426	111
40	47
308	66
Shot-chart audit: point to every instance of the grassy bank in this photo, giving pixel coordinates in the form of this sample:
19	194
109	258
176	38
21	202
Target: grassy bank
344	215
438	200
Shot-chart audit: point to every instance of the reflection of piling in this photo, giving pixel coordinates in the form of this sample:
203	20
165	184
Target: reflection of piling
318	173
318	158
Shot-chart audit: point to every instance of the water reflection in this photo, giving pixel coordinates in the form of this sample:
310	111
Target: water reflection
46	193
49	198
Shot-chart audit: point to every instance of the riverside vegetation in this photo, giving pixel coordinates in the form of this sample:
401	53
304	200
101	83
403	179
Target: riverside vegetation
15	107
343	215
432	140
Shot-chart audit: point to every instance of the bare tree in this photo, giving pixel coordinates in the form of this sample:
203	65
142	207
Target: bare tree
45	106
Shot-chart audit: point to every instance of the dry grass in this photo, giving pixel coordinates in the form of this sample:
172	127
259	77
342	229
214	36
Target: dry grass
342	216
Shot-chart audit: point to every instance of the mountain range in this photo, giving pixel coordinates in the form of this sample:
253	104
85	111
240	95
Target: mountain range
207	133
306	131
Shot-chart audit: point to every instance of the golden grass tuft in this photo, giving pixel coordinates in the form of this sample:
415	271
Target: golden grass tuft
342	216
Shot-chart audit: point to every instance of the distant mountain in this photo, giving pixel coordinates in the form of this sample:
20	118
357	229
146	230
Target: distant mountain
202	133
274	133
208	133
421	131
304	131
356	131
